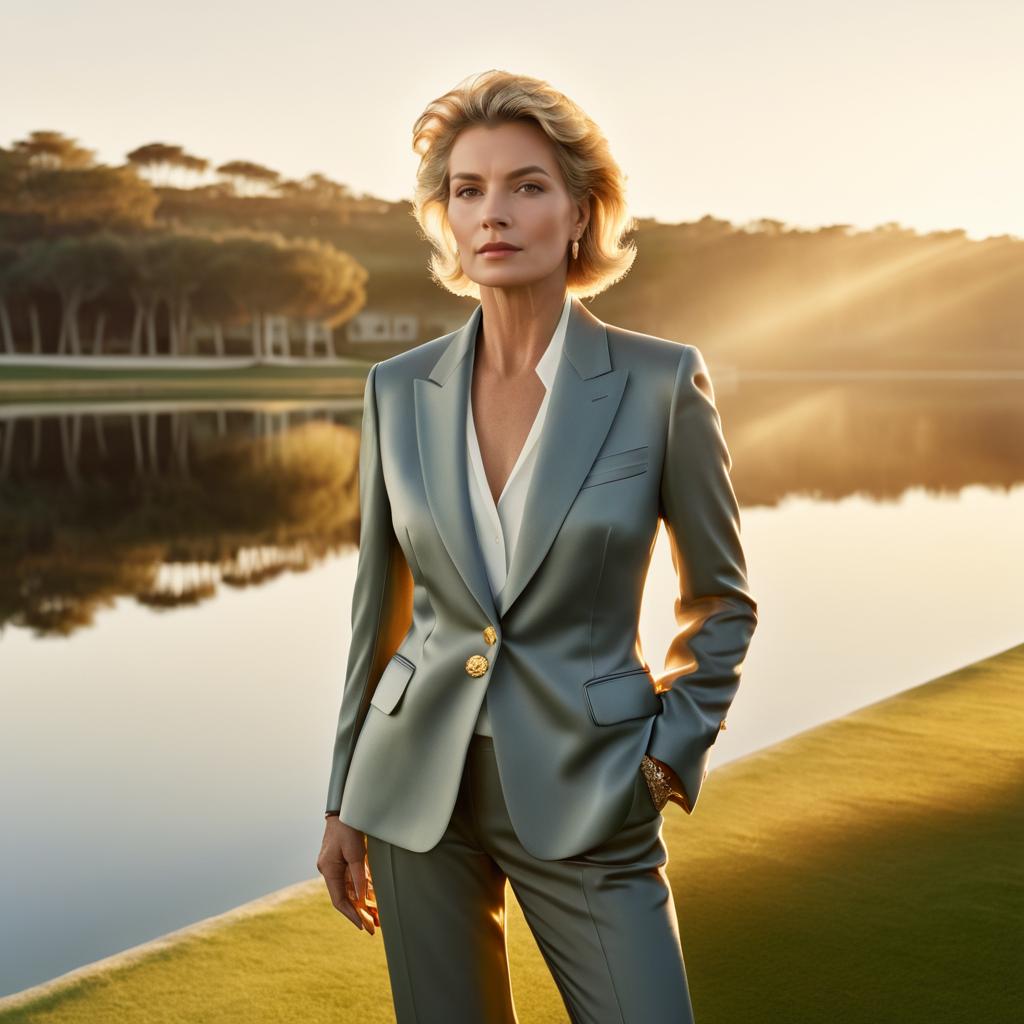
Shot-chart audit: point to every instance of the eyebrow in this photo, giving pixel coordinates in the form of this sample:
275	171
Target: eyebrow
531	169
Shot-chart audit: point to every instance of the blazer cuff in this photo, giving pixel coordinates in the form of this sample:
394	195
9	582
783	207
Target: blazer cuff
685	745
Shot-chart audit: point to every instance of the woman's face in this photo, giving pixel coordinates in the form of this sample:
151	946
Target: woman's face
505	186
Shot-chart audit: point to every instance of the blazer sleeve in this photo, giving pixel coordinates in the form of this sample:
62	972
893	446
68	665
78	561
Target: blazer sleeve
715	614
381	599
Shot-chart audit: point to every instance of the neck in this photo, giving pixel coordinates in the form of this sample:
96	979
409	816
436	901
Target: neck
515	329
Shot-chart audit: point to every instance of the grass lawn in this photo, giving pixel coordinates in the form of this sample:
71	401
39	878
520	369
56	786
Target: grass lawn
65	383
867	870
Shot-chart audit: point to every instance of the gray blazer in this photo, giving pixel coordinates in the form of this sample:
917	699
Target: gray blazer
632	437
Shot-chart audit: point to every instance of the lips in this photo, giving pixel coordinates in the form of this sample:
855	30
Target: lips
498	247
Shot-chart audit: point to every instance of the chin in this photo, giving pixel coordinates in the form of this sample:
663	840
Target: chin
505	280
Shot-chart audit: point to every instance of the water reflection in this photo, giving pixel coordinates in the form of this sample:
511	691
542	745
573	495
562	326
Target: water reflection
167	504
877	437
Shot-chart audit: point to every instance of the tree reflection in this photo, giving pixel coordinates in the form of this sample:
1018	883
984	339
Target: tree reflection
166	506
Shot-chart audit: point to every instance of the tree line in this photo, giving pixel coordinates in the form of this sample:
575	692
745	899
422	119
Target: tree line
84	259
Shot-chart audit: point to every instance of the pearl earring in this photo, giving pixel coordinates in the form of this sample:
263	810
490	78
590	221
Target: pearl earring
575	249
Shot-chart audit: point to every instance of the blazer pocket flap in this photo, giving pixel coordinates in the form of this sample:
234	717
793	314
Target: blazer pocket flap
617	465
622	696
606	476
392	683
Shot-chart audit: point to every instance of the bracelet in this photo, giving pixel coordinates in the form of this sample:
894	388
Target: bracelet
332	814
657	781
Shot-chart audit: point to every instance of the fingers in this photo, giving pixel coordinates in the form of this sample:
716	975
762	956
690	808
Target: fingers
343	896
345	907
360	910
366	905
359	875
362	884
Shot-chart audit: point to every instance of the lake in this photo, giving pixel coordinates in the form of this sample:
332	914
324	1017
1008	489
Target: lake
176	584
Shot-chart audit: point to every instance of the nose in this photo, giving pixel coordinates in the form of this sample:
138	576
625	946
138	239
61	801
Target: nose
492	212
490	220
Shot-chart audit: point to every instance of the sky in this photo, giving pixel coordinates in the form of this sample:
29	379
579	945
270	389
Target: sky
810	112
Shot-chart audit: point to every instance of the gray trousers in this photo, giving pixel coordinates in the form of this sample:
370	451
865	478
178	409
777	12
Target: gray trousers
604	921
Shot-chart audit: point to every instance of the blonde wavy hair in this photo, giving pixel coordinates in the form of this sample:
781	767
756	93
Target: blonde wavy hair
581	150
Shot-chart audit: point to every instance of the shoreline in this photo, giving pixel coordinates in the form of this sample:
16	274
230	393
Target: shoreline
173	939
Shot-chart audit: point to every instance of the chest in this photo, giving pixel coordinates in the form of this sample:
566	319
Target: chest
505	417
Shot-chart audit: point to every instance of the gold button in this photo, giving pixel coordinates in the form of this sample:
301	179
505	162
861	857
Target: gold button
476	665
721	725
490	635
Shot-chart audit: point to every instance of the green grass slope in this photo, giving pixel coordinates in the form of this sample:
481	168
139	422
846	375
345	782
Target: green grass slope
866	870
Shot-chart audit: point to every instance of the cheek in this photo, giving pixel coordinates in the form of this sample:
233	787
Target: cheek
545	243
545	223
458	223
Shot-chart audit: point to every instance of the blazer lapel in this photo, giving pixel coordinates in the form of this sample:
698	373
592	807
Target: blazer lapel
440	400
585	395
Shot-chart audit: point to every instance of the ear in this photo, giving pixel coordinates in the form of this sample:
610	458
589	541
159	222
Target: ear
584	213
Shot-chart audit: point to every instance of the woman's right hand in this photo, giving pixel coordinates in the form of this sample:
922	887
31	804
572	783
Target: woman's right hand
342	862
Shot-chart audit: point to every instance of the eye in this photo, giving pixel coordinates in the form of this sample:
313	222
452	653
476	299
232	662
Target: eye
471	188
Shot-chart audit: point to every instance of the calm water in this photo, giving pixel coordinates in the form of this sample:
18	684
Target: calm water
176	585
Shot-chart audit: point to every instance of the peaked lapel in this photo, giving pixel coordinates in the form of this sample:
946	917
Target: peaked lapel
440	399
585	395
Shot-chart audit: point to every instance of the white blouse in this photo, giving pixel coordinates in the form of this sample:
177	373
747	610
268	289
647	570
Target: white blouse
497	526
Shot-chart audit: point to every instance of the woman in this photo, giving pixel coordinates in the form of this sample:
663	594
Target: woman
498	721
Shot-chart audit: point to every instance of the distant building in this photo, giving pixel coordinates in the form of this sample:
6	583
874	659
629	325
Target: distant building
371	334
377	334
386	328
